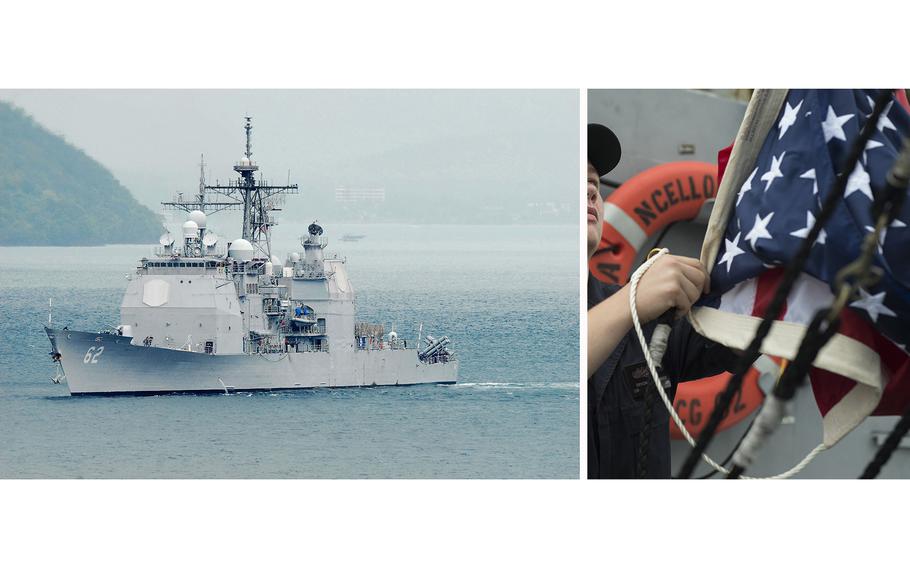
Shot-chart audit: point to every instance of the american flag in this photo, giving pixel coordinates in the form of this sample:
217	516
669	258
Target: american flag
785	160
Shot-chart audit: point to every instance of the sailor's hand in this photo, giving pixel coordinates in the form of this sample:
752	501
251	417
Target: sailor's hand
673	282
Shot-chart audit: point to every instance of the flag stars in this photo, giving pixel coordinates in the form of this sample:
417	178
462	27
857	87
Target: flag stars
804	232
788	119
858	181
759	229
883	121
833	126
731	251
870	145
873	304
774	173
896	224
746	187
810	174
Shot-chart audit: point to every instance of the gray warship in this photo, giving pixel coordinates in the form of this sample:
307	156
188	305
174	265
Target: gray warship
207	316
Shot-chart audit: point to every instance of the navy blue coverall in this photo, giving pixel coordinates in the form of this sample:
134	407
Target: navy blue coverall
616	395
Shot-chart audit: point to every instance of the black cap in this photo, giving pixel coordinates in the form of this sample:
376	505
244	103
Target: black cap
603	149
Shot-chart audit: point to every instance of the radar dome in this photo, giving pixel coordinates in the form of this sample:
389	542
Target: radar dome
190	229
393	336
244	161
295	257
241	249
198	217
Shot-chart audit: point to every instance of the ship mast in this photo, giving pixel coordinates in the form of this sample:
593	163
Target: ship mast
199	202
257	199
246	168
202	182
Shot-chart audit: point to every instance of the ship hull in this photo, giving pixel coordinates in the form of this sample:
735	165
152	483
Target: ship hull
109	364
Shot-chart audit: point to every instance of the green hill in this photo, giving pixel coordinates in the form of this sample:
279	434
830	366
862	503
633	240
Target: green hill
54	194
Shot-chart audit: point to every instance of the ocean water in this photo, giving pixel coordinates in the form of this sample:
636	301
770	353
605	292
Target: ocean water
506	295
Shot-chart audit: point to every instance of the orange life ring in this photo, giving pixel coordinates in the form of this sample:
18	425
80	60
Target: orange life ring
695	401
645	204
638	209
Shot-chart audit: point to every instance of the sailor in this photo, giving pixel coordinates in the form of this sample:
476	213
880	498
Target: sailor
617	373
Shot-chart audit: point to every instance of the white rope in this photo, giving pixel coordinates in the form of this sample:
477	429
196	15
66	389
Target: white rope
636	324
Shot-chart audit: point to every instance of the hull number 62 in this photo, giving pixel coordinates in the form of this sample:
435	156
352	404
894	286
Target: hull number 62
91	356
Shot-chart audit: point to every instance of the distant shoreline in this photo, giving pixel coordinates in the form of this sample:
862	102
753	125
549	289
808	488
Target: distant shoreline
327	223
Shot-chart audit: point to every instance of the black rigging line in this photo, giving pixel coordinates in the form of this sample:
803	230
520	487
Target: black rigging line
860	273
820	331
891	442
644	439
739	442
791	273
890	203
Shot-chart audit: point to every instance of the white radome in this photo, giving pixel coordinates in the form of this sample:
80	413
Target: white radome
190	229
198	217
241	249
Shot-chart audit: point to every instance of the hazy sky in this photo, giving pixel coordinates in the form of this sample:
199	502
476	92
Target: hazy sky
493	147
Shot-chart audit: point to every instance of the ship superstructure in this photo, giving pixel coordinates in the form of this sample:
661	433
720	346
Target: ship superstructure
204	314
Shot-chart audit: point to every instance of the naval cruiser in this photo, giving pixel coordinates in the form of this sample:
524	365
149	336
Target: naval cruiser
204	315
